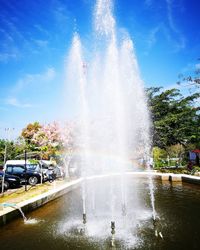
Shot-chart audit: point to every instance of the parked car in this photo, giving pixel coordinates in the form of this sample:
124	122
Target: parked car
32	173
10	181
59	172
53	171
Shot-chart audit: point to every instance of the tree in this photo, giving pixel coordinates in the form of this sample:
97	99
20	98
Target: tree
47	139
175	117
28	133
13	149
2	151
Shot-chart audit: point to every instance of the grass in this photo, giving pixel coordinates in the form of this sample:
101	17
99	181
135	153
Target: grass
19	195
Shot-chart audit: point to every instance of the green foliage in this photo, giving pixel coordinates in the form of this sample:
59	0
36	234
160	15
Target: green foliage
176	128
33	161
159	153
159	157
175	118
2	151
11	148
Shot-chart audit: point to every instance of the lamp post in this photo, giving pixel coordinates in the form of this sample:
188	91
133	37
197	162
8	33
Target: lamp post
25	159
4	170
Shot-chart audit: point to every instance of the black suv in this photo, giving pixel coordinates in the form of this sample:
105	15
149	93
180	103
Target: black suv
10	181
32	173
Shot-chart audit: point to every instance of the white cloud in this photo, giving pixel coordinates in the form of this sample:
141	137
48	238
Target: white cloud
179	41
42	30
49	74
16	103
6	56
29	80
151	40
60	13
16	35
16	42
12	40
25	85
169	15
41	43
8	49
170	30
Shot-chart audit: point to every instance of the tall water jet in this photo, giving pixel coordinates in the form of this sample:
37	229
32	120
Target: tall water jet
112	120
76	74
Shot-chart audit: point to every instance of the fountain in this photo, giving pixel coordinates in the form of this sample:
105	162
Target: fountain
111	209
112	120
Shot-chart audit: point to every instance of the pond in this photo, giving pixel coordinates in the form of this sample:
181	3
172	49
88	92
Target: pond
59	223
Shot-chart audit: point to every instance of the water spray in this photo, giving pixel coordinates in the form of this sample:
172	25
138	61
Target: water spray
123	210
113	234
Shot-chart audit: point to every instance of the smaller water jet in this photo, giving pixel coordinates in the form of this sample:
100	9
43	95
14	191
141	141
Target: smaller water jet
22	213
113	234
13	205
123	210
26	220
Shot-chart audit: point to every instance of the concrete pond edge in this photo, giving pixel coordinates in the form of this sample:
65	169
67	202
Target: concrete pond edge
10	212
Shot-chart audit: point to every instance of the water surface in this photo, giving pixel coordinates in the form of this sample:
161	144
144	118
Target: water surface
59	223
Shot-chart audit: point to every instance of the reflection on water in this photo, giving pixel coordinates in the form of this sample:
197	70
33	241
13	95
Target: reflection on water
58	225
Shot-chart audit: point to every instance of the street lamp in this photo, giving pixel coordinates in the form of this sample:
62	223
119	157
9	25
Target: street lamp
25	159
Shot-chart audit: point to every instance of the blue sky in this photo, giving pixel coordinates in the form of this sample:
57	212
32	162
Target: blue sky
35	37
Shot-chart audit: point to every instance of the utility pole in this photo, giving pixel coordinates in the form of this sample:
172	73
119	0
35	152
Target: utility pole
25	160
